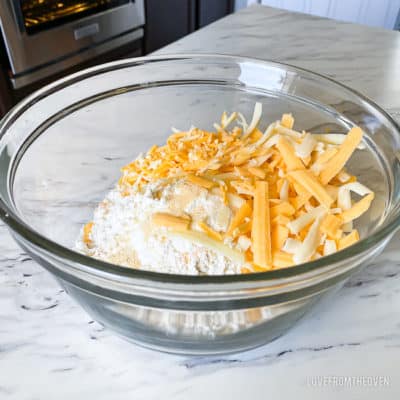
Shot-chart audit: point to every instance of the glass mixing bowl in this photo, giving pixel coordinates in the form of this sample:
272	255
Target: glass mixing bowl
61	150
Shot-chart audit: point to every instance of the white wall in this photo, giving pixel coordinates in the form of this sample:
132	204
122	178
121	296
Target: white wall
381	13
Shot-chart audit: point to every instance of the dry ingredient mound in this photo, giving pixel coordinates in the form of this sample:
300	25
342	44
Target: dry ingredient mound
122	232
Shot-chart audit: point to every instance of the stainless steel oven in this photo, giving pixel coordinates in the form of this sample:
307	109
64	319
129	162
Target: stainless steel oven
43	37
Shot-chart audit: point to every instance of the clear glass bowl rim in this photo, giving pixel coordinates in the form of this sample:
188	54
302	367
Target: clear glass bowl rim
95	266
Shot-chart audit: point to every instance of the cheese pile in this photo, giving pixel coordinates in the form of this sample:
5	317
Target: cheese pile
288	192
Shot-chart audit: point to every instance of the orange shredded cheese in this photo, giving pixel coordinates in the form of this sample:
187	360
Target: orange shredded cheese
210	232
244	211
289	156
242	229
299	189
280	220
258	172
287	121
326	155
261	234
281	259
198	180
346	149
330	225
279	234
87	229
357	209
242	187
284	208
349	239
224	191
313	186
171	221
299	201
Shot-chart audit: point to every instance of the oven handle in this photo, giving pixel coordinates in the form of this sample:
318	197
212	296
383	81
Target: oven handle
17	14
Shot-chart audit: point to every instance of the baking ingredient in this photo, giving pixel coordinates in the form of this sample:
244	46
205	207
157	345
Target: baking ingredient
235	200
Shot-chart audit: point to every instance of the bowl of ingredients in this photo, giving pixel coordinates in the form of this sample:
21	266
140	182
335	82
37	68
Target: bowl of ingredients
197	203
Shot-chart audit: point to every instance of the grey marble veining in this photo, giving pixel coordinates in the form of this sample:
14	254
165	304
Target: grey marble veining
367	59
51	349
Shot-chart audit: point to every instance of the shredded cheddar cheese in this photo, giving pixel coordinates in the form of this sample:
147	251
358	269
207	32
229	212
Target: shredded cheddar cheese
288	192
279	234
287	121
244	211
288	154
201	181
349	239
283	208
312	186
261	230
210	232
331	225
171	221
358	208
257	172
281	259
87	229
346	149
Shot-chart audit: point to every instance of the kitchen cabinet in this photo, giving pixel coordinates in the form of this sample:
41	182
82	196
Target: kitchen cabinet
169	20
212	10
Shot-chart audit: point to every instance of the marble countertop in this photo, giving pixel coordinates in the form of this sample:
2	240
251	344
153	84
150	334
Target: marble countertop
348	347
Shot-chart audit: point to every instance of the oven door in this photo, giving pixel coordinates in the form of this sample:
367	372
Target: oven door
41	33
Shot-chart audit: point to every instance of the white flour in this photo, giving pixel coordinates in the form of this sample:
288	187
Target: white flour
122	232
